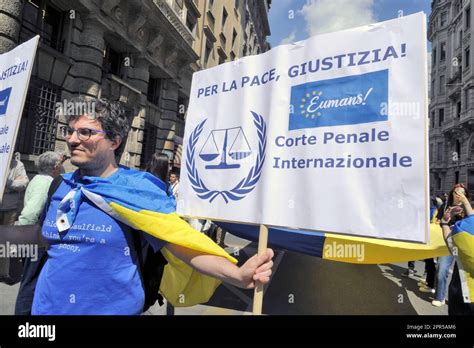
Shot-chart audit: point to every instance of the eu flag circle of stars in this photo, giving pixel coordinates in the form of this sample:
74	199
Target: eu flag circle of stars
307	98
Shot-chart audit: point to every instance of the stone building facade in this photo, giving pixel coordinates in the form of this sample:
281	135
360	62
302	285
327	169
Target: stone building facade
451	109
138	52
230	29
142	53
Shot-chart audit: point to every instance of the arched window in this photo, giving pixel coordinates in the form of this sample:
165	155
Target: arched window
471	148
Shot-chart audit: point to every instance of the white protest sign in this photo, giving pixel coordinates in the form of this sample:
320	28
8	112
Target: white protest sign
15	72
327	134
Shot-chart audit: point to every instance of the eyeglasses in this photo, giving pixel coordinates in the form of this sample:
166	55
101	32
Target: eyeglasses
82	133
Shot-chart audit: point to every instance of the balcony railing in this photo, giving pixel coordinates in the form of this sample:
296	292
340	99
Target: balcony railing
175	20
467	115
434	131
450	124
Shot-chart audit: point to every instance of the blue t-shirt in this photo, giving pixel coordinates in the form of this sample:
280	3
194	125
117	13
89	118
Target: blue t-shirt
92	268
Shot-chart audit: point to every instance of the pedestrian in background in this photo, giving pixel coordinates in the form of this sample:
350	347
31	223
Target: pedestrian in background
159	167
174	180
460	289
17	180
49	166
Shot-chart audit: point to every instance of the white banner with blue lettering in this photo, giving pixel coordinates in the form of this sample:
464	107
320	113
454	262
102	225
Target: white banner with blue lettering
15	72
327	134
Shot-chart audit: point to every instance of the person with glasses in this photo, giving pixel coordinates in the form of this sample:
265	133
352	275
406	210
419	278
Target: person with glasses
92	265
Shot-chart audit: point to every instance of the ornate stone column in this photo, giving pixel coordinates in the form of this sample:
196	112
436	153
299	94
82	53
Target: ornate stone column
10	20
87	70
139	75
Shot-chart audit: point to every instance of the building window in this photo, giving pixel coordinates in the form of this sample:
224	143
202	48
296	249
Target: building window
224	18
234	37
207	52
470	182
439	181
442	51
431	153
433	57
467	14
149	143
223	40
154	90
432	119
456	177
442	84
211	20
112	61
471	151
458	148
443	18
40	17
439	152
37	132
460	38
458	109
432	88
466	99
191	22
441	117
467	53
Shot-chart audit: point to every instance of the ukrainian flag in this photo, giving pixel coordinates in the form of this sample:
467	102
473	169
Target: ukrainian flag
345	248
139	200
462	239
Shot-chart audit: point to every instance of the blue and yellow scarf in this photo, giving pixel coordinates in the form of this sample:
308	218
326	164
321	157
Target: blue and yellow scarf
139	200
461	241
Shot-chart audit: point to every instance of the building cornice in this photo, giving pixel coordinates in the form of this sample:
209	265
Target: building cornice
173	18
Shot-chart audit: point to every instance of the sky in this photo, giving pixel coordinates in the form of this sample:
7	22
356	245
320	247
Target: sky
295	20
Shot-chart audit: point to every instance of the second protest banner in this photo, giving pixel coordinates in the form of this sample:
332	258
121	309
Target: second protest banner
327	134
15	72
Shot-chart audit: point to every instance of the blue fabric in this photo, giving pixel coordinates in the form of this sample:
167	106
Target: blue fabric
310	243
131	189
91	267
444	263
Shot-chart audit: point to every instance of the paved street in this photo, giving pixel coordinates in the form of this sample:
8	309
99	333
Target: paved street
308	285
312	286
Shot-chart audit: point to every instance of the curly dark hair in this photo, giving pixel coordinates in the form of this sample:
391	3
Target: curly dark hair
110	114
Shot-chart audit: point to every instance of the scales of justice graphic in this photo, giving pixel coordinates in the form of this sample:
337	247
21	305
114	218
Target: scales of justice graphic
228	142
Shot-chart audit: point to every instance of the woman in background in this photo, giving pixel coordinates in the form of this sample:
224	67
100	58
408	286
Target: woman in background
159	167
458	230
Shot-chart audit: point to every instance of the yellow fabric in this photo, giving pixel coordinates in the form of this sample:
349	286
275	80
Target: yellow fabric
433	219
377	251
464	244
181	285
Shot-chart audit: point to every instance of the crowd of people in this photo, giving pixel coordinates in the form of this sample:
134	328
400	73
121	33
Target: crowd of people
91	263
446	211
94	270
